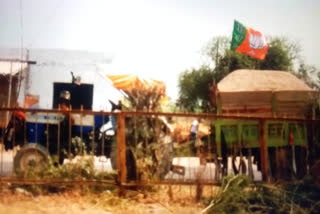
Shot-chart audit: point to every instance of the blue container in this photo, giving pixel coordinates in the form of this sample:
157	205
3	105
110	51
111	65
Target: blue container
35	132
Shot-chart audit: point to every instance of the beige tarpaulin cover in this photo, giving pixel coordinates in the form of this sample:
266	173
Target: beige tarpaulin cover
264	92
261	80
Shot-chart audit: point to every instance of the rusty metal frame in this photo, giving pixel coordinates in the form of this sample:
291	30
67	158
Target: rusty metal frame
121	141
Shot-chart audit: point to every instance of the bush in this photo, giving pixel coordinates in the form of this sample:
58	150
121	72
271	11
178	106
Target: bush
239	194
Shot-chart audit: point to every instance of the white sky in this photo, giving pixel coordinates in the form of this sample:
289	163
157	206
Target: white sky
156	38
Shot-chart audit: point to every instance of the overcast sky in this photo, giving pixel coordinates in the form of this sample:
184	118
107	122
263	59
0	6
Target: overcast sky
157	38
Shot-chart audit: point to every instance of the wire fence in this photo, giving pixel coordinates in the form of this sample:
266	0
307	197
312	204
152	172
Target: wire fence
152	148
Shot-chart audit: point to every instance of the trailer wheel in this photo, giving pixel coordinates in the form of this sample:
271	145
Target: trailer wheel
31	155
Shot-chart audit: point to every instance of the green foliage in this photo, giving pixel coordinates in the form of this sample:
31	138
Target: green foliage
239	194
194	89
80	170
309	74
183	150
232	61
215	49
145	136
80	167
280	55
146	167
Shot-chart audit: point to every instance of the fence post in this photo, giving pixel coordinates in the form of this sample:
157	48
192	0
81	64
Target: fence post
121	148
263	149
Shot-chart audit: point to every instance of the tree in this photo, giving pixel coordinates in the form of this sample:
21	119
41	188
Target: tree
194	89
232	61
215	49
309	74
281	55
195	84
147	136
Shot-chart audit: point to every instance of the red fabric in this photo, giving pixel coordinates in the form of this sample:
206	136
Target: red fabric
20	115
291	139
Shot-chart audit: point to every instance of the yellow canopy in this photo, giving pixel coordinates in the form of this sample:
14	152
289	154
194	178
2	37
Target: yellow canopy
128	82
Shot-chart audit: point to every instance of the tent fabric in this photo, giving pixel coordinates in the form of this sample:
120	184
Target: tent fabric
127	82
261	80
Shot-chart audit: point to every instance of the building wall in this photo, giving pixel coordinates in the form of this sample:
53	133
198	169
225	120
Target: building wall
56	65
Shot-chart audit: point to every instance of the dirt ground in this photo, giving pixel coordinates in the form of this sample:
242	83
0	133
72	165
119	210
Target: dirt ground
20	201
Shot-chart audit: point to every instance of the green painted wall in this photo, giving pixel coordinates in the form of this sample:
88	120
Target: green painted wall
245	133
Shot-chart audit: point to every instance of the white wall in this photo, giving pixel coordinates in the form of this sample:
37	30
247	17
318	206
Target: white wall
55	66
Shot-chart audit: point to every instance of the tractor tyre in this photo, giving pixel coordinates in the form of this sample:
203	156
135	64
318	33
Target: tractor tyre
31	155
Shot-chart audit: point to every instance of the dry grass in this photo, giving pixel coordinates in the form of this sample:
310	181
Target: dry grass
180	199
58	203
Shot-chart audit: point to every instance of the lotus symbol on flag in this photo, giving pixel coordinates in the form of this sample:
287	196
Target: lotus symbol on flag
257	41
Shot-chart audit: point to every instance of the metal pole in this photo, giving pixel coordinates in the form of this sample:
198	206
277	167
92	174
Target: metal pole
263	150
121	151
27	81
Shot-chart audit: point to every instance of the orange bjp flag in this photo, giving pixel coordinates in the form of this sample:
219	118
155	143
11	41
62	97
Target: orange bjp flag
249	41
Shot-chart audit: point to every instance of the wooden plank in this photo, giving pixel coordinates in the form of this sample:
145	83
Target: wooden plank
263	150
